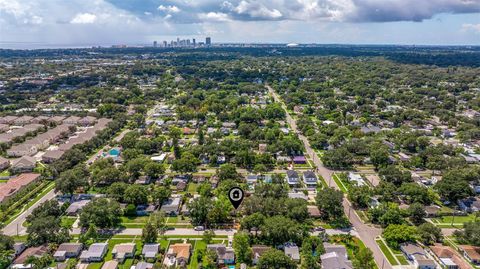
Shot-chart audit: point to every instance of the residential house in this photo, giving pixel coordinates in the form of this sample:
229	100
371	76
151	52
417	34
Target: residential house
403	157
23	120
4	163
143	265
299	159
95	253
448	257
22	150
171	206
67	250
292	177
40	119
56	119
178	255
469	205
123	251
8	119
370	129
110	265
15	184
145	210
258	251
30	128
72	120
18	248
292	251
4	128
150	251
52	155
417	256
313	211
471	253
87	121
20	261
252	179
225	255
335	257
74	208
297	195
432	210
229	125
310	179
356	178
23	164
262	148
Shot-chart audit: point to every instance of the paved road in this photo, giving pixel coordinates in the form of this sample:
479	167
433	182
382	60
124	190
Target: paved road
15	227
366	233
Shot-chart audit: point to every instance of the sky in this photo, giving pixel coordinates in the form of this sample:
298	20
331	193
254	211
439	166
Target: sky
77	23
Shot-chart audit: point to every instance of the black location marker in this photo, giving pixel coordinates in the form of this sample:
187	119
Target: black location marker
235	195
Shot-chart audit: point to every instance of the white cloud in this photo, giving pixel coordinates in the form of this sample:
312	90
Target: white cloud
84	18
471	27
34	20
254	10
214	17
169	9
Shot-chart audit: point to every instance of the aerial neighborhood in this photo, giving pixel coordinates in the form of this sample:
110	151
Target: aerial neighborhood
125	158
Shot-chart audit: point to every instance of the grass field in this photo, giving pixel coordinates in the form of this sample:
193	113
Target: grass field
198	246
339	183
453	221
67	222
386	252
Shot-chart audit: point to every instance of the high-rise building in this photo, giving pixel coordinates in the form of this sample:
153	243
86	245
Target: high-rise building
208	41
193	42
165	44
154	44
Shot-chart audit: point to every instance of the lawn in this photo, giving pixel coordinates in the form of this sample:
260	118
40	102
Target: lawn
134	222
402	260
95	265
386	252
339	183
199	245
5	173
456	219
192	188
67	222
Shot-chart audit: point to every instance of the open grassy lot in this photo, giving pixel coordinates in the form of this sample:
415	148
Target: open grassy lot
385	249
67	222
453	221
340	183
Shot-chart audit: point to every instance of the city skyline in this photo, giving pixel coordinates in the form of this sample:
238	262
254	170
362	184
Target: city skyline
40	23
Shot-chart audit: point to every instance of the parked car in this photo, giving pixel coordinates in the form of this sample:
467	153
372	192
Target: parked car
199	228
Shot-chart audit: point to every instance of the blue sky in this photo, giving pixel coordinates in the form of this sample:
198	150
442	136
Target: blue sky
38	23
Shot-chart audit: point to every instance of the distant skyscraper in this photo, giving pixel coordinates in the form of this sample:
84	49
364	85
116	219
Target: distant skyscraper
193	42
154	44
165	44
208	41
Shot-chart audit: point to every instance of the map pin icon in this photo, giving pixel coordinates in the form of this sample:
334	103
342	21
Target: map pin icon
235	195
